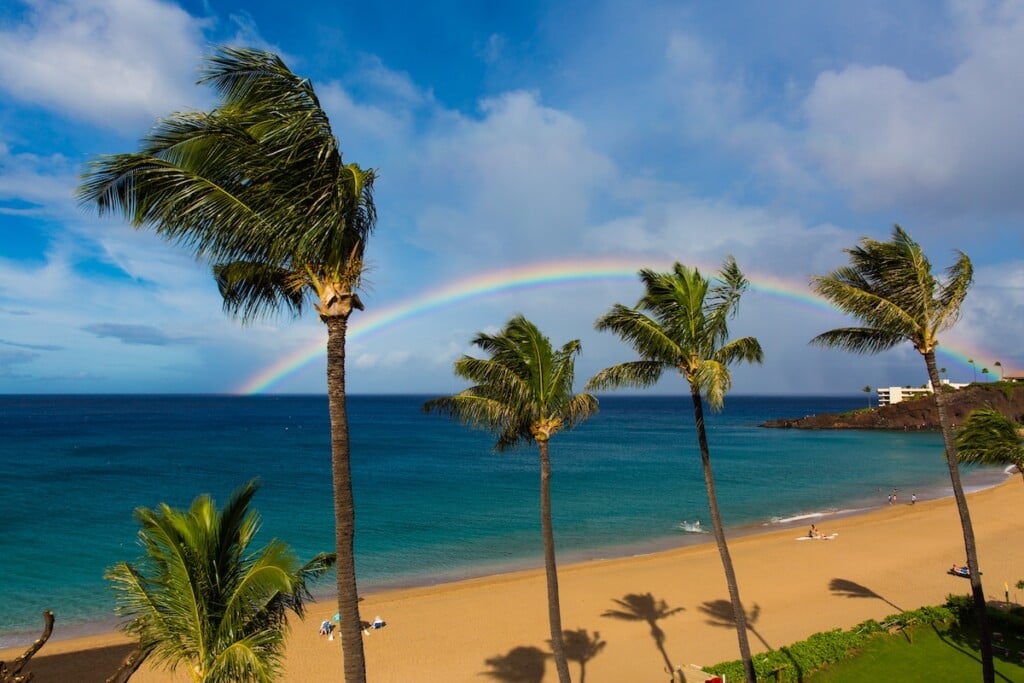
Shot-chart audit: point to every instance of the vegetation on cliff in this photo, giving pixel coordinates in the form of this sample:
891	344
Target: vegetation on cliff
920	413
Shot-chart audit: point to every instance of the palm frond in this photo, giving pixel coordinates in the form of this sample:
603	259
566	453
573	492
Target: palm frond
251	289
745	349
200	596
647	337
714	380
687	328
724	296
524	384
889	286
639	374
259	179
853	295
859	339
959	277
578	409
987	436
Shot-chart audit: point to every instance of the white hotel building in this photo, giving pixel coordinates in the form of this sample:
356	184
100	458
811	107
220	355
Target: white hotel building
890	395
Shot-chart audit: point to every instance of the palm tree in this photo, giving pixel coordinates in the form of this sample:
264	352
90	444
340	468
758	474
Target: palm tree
523	394
867	390
942	371
1000	366
681	323
974	368
984	371
259	187
889	286
987	436
202	596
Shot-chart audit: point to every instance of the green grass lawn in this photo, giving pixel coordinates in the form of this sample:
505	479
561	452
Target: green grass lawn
927	653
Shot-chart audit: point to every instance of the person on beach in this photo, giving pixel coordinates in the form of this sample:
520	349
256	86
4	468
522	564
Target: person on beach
325	627
812	532
913	498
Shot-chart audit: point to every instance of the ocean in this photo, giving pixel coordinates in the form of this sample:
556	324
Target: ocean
434	502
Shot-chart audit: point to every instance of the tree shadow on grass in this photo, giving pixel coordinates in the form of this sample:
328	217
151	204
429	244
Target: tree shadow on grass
958	638
521	665
637	607
852	589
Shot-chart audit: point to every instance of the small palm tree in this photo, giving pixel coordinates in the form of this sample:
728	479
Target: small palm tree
974	369
989	437
259	187
984	372
203	597
867	390
681	324
523	394
1000	366
889	286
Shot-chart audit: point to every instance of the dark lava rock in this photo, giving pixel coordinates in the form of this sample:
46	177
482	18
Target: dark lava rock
919	413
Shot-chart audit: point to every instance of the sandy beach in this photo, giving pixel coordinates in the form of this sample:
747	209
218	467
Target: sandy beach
881	562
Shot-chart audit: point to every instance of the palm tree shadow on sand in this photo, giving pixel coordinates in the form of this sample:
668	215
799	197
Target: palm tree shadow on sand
581	647
720	614
521	665
852	589
646	608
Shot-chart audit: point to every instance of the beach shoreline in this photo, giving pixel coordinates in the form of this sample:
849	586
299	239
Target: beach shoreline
977	480
447	631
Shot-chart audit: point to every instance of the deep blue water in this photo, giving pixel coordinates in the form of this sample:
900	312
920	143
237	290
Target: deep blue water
433	501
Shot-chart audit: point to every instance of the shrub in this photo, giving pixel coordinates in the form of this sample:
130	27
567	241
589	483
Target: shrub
800	659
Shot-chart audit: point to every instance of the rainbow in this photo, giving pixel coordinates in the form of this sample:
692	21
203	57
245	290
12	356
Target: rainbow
520	278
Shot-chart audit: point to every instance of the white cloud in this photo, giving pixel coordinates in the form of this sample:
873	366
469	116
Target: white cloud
520	181
392	86
366	361
45	183
703	231
351	119
993	316
109	62
709	102
954	141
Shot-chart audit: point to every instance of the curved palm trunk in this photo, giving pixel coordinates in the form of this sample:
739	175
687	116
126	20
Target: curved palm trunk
349	625
554	611
739	615
129	665
970	548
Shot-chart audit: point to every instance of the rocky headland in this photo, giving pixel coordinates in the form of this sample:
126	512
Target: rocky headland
919	413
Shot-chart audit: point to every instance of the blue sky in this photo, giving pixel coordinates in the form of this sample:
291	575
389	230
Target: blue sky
513	134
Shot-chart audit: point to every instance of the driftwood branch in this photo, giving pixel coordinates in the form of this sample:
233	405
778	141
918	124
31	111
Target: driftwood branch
129	665
12	673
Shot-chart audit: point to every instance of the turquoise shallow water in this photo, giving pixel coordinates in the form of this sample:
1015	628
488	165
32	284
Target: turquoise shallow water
433	501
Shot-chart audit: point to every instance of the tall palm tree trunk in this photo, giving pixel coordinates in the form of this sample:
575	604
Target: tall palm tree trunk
739	615
554	611
970	548
350	623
